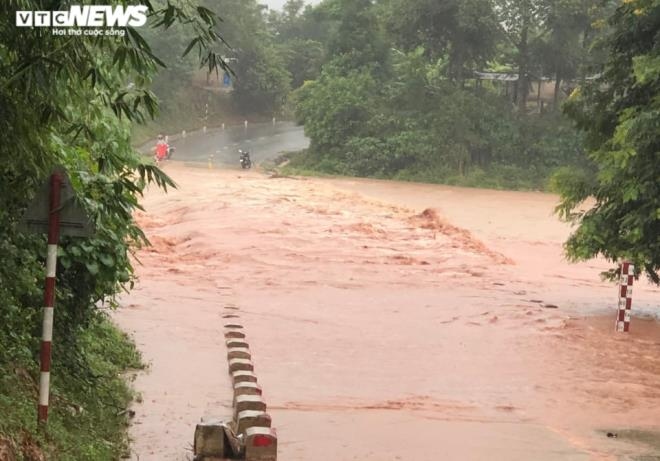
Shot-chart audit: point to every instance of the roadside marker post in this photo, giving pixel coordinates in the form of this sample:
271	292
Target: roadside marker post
244	402
236	342
49	296
250	418
249	436
243	377
625	297
260	444
234	334
238	353
246	388
240	365
55	212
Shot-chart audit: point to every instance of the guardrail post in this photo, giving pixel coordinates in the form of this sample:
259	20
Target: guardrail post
260	444
49	296
625	297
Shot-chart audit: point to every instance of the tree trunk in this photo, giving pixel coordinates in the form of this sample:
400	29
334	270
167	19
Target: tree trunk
523	85
585	45
557	89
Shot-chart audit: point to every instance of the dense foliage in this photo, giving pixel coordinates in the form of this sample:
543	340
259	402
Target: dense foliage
620	113
260	76
397	97
69	101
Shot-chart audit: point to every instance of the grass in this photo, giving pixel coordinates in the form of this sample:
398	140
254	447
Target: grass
88	418
496	177
649	439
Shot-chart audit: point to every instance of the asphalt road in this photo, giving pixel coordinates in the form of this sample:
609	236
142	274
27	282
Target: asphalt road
264	141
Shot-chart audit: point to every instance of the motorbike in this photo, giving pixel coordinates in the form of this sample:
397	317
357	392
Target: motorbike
167	154
246	162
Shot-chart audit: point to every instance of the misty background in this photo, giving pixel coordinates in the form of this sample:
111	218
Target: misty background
278	4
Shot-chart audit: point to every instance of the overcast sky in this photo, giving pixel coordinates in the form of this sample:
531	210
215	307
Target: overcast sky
277	4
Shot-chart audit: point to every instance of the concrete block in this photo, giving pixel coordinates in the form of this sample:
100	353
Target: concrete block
234	334
243	377
238	353
236	342
249	418
210	440
235	442
247	388
260	444
240	365
248	402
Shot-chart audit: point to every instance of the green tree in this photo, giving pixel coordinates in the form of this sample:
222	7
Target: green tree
619	113
291	30
563	49
303	60
357	42
69	100
336	108
261	82
464	31
523	21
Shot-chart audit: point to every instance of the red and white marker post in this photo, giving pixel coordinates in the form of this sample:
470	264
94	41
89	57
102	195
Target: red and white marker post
625	297
49	295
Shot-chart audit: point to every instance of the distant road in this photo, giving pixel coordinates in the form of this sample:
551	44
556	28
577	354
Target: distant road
265	141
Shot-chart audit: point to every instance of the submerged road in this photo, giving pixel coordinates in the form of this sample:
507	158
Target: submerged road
380	333
388	320
264	141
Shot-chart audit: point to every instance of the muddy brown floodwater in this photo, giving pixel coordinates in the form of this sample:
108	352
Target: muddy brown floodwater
387	321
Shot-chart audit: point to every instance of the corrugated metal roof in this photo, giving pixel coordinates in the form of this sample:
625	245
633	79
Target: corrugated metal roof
503	77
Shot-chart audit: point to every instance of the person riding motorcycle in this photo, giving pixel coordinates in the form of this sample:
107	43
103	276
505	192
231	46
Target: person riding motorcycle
245	160
162	148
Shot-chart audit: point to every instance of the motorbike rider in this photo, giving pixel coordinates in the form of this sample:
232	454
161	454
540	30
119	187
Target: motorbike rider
162	147
246	162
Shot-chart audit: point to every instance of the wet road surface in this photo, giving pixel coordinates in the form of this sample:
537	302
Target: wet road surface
264	141
381	331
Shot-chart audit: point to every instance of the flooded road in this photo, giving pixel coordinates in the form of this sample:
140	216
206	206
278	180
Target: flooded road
387	321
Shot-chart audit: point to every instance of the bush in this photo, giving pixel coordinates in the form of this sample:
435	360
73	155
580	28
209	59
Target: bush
416	125
86	409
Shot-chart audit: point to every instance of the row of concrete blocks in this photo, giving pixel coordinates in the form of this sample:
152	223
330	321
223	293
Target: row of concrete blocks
249	435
